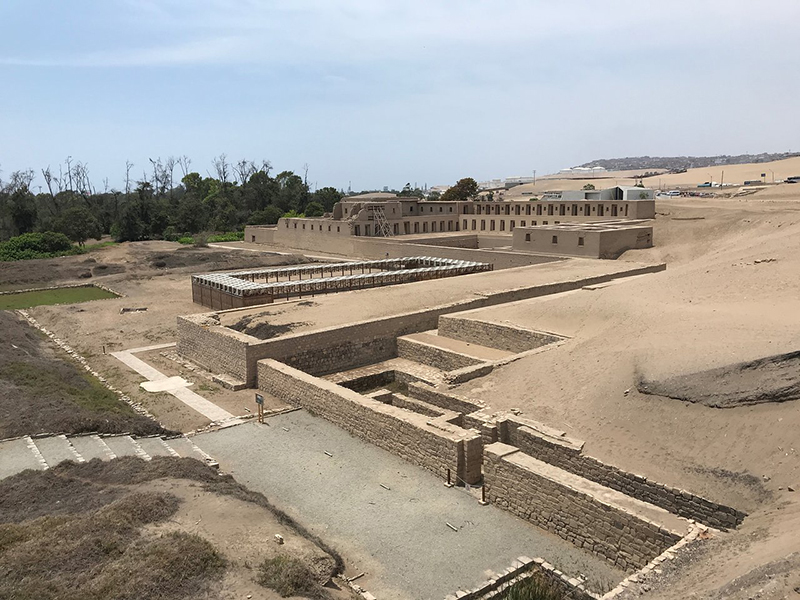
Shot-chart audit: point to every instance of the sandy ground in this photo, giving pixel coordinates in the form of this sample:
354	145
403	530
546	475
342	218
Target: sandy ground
97	328
737	174
730	294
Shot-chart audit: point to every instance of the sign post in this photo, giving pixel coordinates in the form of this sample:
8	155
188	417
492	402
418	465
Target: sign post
260	404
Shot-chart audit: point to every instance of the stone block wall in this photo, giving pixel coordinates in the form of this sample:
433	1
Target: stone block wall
430	443
440	358
527	487
503	337
217	349
567	454
447	401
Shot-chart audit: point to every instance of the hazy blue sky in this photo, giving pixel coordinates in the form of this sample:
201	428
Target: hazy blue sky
381	93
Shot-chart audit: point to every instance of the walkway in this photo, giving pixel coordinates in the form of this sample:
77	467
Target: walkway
398	536
177	386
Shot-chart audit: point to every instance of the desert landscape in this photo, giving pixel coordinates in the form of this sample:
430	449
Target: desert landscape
676	363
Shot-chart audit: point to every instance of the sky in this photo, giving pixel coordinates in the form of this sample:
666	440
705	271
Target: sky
372	93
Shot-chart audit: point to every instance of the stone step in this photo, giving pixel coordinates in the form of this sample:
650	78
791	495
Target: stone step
186	448
90	447
154	446
15	457
57	449
461	346
125	445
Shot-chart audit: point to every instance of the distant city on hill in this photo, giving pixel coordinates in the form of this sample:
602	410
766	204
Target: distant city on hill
674	163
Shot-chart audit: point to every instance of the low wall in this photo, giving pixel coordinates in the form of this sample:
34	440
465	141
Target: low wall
259	234
528	488
216	349
432	444
447	401
566	455
347	347
433	356
503	337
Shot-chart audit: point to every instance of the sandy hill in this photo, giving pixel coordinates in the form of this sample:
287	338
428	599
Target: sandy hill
736	174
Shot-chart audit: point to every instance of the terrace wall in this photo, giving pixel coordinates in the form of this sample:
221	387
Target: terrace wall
511	339
567	455
217	349
432	444
533	491
440	358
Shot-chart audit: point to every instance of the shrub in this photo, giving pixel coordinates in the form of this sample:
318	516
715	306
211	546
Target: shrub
532	588
231	236
37	245
290	577
186	240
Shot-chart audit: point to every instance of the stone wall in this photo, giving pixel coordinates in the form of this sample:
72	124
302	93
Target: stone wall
504	337
217	349
440	358
447	401
533	491
567	455
432	444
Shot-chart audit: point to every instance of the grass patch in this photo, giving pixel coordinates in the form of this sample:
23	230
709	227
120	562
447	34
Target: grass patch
102	553
41	393
532	588
84	390
290	577
231	236
70	295
75	532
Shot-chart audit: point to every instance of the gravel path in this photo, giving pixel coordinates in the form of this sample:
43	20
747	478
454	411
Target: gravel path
398	536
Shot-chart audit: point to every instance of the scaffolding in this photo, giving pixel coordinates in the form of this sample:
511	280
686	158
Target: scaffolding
381	222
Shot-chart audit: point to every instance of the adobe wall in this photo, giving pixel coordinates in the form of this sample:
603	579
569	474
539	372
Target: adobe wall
440	358
567	455
430	443
259	234
344	347
511	339
217	349
614	243
395	247
528	488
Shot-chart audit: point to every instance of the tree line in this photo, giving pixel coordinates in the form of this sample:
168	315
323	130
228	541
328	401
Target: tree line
169	200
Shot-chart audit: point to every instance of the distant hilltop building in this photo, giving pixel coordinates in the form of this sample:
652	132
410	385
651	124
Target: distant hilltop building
583	171
508	182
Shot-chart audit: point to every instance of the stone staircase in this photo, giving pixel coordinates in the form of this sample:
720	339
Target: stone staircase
41	453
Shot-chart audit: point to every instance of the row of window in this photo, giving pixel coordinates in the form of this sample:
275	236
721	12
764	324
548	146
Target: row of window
562	210
512	224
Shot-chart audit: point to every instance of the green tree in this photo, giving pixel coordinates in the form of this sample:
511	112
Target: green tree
78	224
314	209
327	196
464	189
588	186
130	227
268	216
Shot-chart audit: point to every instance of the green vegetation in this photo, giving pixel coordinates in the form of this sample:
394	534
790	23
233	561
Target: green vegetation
47	244
85	391
42	393
160	205
532	588
589	186
464	189
56	296
290	577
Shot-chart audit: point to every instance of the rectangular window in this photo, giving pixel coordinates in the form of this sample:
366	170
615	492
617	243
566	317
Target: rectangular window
613	210
555	239
491	225
550	210
580	241
433	226
513	224
483	224
502	225
473	224
425	227
416	227
599	210
464	226
528	209
527	237
574	210
539	209
517	208
253	238
522	223
562	210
